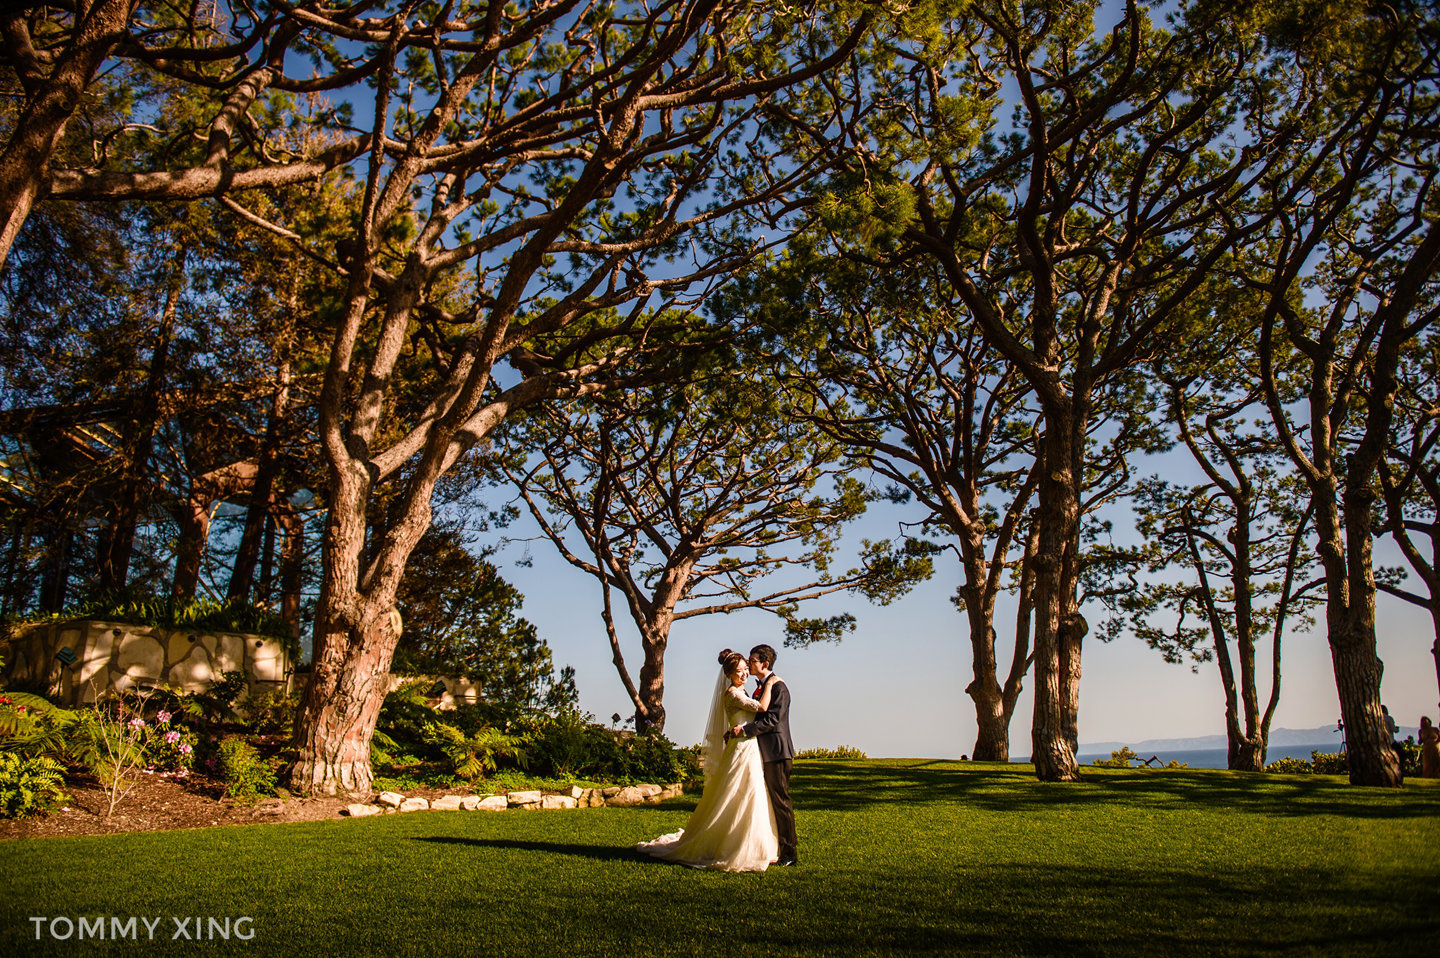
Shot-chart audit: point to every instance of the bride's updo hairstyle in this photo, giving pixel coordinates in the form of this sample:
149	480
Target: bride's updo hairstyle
730	660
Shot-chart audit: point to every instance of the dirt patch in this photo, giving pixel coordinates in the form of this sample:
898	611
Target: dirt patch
160	802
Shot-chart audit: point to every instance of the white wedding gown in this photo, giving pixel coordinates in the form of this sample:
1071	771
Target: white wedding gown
733	827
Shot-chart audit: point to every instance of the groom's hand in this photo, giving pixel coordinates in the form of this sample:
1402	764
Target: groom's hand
736	732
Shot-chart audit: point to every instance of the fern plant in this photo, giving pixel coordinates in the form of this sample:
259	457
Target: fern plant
29	785
476	755
31	726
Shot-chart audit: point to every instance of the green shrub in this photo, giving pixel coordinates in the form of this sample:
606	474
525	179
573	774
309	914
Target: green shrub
384	751
567	744
477	755
403	718
483	738
246	775
1323	764
1410	757
689	761
417	777
29	785
843	753
651	757
217	703
1120	758
1290	766
269	712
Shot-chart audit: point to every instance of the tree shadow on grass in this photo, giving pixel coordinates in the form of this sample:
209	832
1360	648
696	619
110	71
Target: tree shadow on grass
841	786
1123	910
600	852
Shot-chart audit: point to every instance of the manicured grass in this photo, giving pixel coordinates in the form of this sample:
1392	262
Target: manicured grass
897	857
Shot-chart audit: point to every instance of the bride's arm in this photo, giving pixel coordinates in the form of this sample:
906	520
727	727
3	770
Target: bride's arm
745	701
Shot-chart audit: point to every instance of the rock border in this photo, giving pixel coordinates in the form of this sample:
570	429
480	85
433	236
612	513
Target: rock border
614	796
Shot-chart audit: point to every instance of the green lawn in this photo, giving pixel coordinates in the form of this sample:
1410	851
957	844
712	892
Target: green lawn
897	857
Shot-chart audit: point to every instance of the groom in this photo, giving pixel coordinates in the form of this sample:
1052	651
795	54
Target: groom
771	731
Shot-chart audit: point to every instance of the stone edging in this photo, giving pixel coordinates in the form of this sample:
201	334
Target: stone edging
574	797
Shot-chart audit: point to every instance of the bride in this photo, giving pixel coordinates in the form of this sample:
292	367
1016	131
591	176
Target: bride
733	827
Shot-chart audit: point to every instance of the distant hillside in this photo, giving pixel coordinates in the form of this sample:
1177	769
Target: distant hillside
1323	735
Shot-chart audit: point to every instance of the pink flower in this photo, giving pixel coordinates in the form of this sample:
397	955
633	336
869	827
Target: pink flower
163	717
19	708
185	748
137	723
171	737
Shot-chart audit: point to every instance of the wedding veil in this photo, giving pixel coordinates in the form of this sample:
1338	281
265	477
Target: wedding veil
716	726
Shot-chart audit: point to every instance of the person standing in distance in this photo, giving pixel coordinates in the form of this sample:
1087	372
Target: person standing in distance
771	731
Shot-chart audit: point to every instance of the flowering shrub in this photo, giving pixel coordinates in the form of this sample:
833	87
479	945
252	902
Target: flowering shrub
1290	766
169	748
110	740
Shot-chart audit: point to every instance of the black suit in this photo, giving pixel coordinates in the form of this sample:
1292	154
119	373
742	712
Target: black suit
771	731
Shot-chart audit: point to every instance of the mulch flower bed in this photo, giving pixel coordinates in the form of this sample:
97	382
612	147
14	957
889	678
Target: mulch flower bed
161	801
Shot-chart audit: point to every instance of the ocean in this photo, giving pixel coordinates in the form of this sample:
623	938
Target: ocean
1215	757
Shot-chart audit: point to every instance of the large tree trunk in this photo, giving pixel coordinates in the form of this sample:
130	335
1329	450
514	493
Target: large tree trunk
992	738
1247	754
993	708
356	633
19	534
1058	625
193	517
1435	646
50	102
656	618
1357	678
262	501
1350	622
650	716
1244	753
292	566
55	583
1073	630
342	703
357	628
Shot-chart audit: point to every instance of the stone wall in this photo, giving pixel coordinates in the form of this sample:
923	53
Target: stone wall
120	655
573	797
